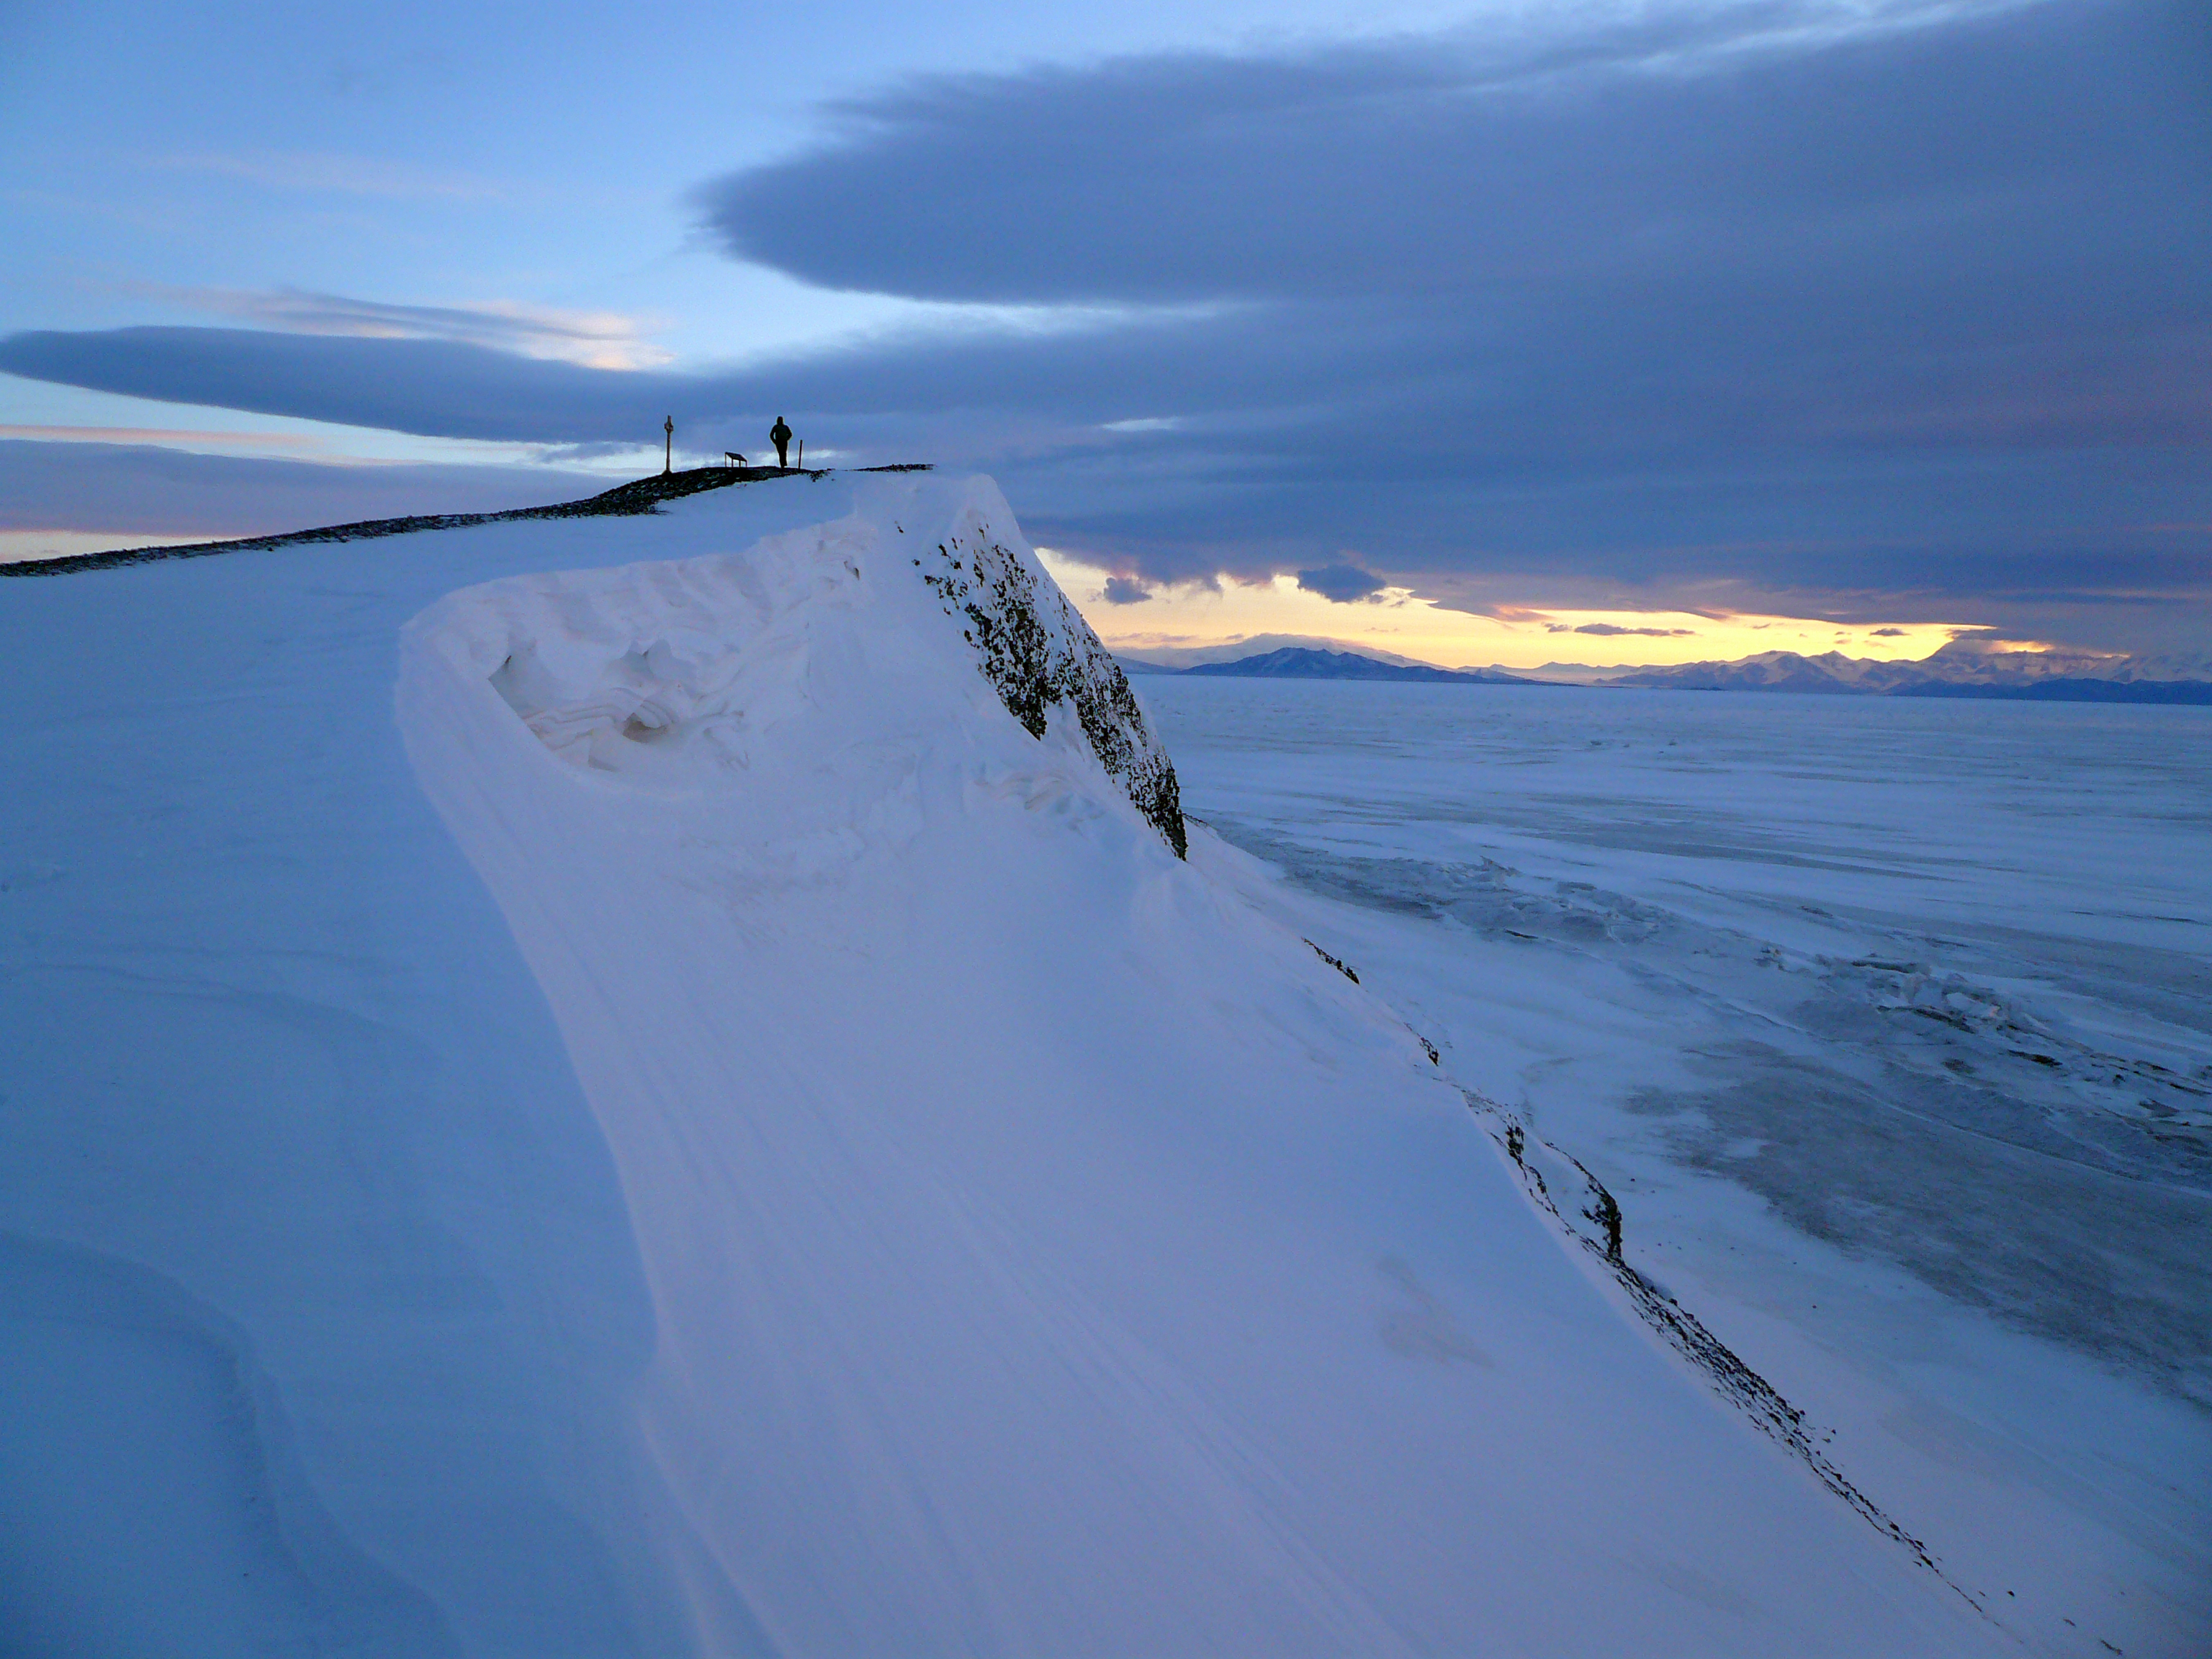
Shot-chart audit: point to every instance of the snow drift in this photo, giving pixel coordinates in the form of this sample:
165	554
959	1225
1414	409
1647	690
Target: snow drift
731	1129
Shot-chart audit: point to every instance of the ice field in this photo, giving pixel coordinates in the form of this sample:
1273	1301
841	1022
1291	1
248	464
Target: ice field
1890	1024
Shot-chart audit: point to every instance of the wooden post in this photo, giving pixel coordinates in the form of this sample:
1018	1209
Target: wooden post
668	456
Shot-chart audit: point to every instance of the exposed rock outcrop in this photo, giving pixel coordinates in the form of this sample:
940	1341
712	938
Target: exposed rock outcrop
1037	649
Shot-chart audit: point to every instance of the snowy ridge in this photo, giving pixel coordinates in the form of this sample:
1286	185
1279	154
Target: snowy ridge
715	1135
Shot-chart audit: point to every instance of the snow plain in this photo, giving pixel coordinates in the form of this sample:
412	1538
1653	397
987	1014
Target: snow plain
1890	1025
823	1179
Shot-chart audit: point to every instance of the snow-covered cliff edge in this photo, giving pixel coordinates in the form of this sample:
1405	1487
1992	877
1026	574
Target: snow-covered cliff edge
726	1127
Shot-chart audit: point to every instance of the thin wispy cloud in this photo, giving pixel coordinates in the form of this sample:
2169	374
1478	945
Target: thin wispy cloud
594	339
152	489
300	443
324	173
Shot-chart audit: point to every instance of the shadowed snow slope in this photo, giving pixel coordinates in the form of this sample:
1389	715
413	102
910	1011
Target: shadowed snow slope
710	1137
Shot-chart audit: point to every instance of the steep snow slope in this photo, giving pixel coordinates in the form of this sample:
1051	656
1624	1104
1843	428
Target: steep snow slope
1879	1018
824	1176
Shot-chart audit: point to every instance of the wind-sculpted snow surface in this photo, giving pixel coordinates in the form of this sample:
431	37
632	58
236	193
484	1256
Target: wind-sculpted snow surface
642	682
787	1159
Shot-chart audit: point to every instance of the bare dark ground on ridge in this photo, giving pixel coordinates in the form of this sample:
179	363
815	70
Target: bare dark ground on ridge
640	496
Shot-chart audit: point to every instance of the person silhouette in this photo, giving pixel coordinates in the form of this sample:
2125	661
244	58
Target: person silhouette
780	435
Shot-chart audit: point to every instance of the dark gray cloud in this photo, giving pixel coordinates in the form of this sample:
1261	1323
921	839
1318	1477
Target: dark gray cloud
1344	583
129	490
1612	629
435	388
1123	590
1910	322
1660	153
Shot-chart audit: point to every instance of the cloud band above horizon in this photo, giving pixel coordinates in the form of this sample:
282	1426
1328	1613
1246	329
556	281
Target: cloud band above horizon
1924	310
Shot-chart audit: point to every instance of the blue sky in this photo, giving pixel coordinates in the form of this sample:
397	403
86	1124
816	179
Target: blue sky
1873	314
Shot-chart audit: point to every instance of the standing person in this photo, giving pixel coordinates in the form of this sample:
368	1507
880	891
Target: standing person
780	435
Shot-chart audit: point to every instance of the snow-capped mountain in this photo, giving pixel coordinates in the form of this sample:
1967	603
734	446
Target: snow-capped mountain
1968	666
1165	659
1303	663
659	1085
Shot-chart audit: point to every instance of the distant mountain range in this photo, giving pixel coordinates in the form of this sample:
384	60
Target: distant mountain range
1968	667
1299	663
1964	668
